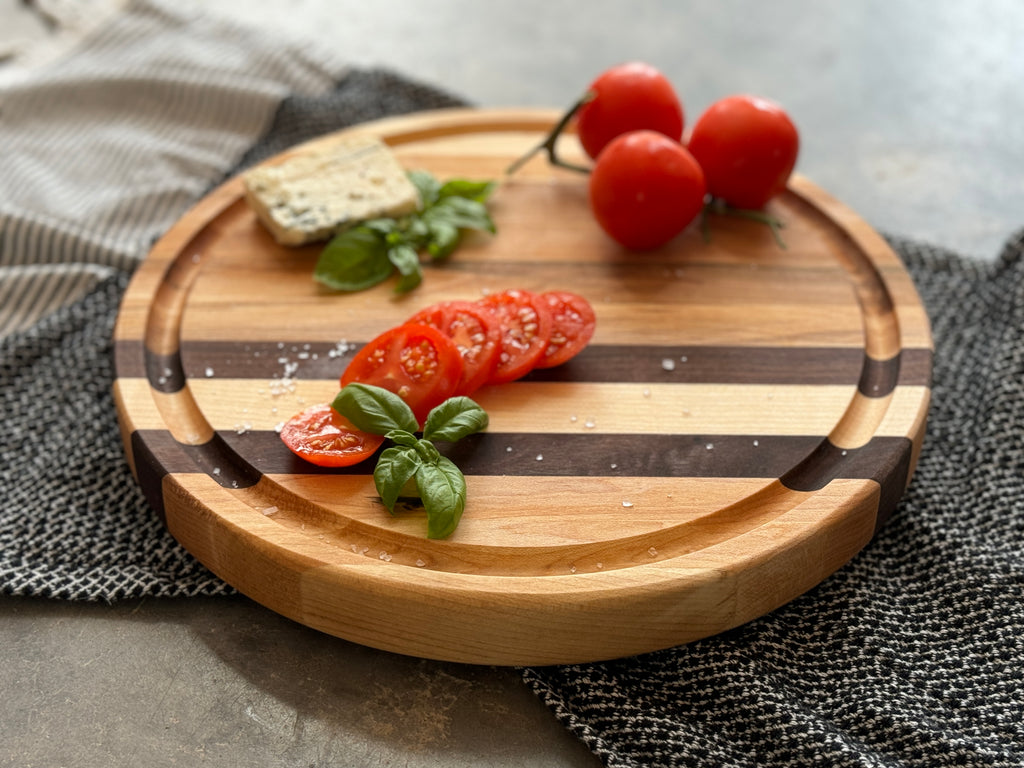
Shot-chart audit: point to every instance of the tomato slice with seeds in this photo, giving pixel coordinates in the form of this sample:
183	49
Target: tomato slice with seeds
416	362
476	333
525	323
324	437
573	322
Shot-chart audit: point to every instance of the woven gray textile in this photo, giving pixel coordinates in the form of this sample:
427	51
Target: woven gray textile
911	655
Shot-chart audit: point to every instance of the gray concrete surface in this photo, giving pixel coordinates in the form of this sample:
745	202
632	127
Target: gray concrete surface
912	113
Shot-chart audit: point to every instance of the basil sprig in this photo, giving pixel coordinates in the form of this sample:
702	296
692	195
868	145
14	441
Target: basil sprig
440	484
370	252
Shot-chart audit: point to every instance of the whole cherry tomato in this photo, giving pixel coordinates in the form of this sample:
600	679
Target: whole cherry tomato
628	97
747	147
645	189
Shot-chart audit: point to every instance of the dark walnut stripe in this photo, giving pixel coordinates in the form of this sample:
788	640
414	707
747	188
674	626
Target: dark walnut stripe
157	454
884	460
597	363
805	463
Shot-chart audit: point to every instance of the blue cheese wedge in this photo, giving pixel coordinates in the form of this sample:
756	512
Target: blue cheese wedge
316	194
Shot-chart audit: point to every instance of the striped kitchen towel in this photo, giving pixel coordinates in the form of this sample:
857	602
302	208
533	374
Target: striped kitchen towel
104	148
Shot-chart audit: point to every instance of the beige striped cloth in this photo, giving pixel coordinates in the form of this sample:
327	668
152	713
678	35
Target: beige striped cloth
104	147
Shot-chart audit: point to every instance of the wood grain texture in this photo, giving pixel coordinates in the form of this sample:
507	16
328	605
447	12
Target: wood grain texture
745	418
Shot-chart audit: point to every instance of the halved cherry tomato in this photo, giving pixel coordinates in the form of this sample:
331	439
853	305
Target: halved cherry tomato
747	147
476	333
628	97
573	323
525	324
416	362
645	189
324	437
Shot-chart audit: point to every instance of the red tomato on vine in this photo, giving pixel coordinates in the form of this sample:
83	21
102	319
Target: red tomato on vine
747	147
628	97
645	189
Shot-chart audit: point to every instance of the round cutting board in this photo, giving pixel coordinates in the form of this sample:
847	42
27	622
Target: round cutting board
745	418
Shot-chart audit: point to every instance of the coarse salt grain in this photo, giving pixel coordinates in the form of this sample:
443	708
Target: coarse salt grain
652	552
668	364
627	503
269	511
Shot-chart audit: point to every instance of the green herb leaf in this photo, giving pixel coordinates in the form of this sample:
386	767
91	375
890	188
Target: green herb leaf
407	261
428	451
460	212
402	437
473	190
444	239
374	409
395	467
454	419
428	187
443	490
382	226
353	260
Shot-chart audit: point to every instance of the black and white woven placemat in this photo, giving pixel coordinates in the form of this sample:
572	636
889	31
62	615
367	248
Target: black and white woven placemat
911	655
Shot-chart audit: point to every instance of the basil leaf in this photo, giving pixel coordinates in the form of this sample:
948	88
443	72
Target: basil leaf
374	409
443	490
427	450
444	239
395	467
407	261
353	260
428	187
454	419
473	190
415	232
461	212
402	437
382	226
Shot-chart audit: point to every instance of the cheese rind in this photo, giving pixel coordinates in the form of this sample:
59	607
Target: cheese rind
316	194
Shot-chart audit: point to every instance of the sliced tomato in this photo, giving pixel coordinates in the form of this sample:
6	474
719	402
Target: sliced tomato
324	437
416	362
572	326
475	331
525	323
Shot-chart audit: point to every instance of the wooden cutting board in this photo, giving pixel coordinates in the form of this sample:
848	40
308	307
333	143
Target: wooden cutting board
744	420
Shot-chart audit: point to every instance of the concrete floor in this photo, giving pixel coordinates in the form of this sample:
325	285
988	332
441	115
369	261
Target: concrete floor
912	113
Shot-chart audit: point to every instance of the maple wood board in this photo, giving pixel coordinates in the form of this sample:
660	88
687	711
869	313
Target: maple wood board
743	421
